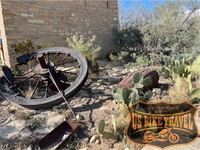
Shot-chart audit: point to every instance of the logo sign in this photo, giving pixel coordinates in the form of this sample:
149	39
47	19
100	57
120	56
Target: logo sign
162	124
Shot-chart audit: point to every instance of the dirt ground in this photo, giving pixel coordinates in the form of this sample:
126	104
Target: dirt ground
21	128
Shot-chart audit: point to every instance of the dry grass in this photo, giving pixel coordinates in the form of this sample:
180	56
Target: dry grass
180	91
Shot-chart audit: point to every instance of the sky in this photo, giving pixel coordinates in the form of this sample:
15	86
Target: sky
125	5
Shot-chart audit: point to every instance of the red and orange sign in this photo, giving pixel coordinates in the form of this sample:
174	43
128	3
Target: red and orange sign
162	124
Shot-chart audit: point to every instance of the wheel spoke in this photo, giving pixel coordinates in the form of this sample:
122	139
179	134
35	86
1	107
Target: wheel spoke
21	91
55	56
23	81
25	73
70	73
18	78
36	85
62	63
47	57
71	68
46	90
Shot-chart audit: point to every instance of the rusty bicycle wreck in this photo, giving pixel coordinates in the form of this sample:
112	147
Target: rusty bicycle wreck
47	78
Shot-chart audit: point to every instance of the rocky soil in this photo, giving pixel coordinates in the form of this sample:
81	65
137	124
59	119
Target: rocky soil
22	128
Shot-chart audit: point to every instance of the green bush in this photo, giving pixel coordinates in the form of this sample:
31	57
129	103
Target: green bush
166	30
25	46
177	67
87	48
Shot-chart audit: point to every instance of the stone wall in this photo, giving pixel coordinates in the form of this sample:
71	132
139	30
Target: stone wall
51	22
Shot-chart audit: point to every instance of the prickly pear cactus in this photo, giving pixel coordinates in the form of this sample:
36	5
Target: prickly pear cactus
129	96
176	68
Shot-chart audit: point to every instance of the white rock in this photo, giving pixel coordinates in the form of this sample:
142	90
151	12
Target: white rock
12	129
5	103
93	139
84	140
80	117
12	108
86	148
53	120
96	84
82	93
97	141
29	148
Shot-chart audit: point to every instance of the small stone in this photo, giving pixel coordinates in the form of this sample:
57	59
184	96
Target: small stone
92	129
96	91
114	80
5	103
86	132
86	148
98	141
29	148
84	141
115	102
80	117
12	109
93	139
83	93
96	84
103	77
156	90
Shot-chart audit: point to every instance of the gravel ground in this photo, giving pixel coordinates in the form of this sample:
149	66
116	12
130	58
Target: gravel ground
21	128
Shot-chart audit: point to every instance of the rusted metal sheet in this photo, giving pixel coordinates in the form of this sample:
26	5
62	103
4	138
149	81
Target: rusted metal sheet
128	80
58	136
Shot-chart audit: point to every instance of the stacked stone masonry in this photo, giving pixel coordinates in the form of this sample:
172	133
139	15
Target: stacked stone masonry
51	22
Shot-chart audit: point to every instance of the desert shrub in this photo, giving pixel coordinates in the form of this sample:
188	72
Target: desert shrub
166	30
184	89
27	46
87	48
23	115
195	67
35	122
118	57
27	141
113	129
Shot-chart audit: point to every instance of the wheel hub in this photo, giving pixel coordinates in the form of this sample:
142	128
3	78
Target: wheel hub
39	70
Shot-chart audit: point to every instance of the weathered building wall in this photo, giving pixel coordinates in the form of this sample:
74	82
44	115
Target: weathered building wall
51	22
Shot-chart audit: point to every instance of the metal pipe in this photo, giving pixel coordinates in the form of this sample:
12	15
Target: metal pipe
42	61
